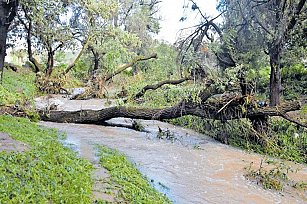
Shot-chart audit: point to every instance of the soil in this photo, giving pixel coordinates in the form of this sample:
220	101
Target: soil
8	144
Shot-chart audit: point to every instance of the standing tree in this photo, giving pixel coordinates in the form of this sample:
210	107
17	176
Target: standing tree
274	22
7	14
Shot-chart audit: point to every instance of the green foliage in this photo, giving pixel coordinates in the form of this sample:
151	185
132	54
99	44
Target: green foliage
284	140
47	173
17	87
271	174
294	80
134	187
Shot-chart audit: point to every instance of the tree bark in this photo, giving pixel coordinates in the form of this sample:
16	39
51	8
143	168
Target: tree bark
3	36
7	15
50	61
96	59
209	110
160	84
121	68
275	77
37	66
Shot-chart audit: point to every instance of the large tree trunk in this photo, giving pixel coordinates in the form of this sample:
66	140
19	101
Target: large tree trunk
216	109
3	35
96	59
7	15
275	77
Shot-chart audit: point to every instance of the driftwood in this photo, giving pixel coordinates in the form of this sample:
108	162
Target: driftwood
160	84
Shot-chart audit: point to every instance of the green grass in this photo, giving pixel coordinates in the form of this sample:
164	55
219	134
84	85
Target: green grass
134	188
17	87
47	173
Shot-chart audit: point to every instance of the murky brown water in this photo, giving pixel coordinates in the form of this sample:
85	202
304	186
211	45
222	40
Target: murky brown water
190	169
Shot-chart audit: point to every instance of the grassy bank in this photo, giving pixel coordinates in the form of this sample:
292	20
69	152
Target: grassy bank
134	188
17	87
47	173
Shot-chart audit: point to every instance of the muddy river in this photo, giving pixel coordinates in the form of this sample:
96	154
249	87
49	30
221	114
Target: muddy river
188	167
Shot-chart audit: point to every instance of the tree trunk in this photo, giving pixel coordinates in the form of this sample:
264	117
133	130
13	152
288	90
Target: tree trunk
7	15
96	59
3	36
209	110
37	66
275	77
50	62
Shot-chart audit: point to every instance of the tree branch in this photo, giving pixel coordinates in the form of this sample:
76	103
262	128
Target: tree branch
125	66
160	84
72	65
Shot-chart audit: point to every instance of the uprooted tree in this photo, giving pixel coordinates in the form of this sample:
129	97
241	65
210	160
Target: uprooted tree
226	107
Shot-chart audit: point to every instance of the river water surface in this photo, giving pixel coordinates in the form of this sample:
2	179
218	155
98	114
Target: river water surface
188	168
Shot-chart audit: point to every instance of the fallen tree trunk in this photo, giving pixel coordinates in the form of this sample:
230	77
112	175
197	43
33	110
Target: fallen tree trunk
121	68
208	110
160	84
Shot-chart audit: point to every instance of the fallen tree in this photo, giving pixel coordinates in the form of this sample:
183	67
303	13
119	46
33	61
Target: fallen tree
160	84
226	107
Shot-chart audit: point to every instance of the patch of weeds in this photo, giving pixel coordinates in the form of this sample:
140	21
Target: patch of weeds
300	185
197	147
166	134
47	173
134	188
137	125
271	174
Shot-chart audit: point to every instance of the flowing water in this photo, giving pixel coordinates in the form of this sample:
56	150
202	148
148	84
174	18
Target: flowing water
188	167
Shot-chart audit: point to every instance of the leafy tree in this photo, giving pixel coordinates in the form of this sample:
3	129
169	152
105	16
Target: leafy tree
250	29
272	26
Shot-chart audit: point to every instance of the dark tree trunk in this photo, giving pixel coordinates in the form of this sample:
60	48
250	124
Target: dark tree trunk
3	35
50	62
275	77
7	15
96	59
37	66
209	110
